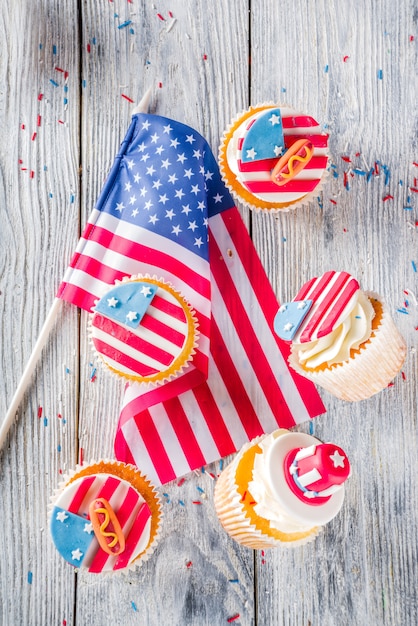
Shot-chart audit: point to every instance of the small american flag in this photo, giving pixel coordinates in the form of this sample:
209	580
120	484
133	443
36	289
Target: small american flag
164	210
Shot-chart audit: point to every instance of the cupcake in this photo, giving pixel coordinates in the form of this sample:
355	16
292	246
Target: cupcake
273	157
281	489
342	338
106	517
144	330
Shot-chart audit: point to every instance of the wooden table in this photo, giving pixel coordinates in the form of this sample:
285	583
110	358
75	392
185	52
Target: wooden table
68	71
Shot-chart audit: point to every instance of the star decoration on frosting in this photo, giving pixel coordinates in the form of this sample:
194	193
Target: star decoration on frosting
61	516
76	554
146	291
112	302
251	154
132	315
337	459
274	119
278	150
287	327
302	304
88	528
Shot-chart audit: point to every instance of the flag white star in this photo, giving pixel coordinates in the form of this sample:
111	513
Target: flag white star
163	198
128	186
172	178
137	178
166	164
141	147
132	200
198	242
190	139
135	212
167	129
208	175
148	205
176	230
217	198
179	193
182	158
144	157
188	174
154	138
195	189
197	154
170	214
174	143
156	184
151	170
186	209
130	164
159	150
153	218
119	207
88	528
192	226
146	125
144	191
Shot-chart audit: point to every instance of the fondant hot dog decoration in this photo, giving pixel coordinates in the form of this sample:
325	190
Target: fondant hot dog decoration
106	527
292	162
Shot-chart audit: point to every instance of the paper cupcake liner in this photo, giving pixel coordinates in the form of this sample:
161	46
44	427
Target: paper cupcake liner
238	191
370	370
145	488
181	363
232	516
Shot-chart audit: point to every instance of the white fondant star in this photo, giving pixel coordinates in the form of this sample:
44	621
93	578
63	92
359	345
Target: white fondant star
301	304
146	291
283	308
251	154
132	316
76	554
288	326
88	528
274	119
61	516
112	301
278	150
337	459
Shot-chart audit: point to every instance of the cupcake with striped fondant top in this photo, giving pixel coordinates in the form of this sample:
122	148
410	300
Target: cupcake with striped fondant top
273	157
342	338
144	330
106	518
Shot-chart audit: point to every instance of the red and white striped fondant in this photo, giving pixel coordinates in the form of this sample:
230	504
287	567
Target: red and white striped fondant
142	353
132	512
333	295
255	176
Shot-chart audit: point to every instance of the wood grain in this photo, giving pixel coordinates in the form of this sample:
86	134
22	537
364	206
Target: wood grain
353	67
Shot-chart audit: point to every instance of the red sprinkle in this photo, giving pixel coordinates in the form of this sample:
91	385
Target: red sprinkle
22	126
160	17
88	47
40	411
39	120
411	38
160	85
332	201
59	69
345	58
205	57
189	564
181	482
414	189
196	502
170	14
32	174
244	495
403	375
233	618
346	159
81	456
40	96
34	136
127	98
415	163
388	197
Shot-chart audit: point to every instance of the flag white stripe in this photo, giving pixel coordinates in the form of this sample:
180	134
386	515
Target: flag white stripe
169	440
259	323
199	426
139	450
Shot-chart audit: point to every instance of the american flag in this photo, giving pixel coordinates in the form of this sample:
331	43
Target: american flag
164	210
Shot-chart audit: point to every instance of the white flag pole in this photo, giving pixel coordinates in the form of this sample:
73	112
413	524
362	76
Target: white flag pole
29	369
142	107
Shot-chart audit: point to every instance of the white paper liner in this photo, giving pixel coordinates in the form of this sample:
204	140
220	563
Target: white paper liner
163	377
150	549
228	505
301	202
370	370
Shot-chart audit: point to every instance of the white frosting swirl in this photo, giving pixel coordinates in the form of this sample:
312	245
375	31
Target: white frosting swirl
335	347
261	490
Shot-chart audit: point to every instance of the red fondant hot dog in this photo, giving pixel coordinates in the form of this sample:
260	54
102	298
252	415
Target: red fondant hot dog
106	527
294	160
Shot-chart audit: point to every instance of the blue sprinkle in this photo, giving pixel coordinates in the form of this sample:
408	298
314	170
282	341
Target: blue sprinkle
93	41
359	172
51	195
134	606
131	31
370	174
233	580
380	74
53	82
83	82
40	46
284	239
45	168
401	183
65	88
200	490
58	448
311	427
181	502
414	267
203	470
326	68
72	198
403	310
125	24
407	208
221	465
54	49
283	89
30	577
45	421
335	174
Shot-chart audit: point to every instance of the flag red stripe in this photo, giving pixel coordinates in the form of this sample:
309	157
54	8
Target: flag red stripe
153	444
132	539
139	252
263	165
302	293
80	494
127	337
134	366
318	141
295	185
184	433
267	301
235	387
77	296
214	419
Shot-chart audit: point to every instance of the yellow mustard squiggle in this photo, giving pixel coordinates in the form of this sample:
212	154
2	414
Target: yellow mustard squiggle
294	158
104	525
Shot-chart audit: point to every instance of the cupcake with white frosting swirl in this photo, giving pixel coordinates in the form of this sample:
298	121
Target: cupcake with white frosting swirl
342	338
